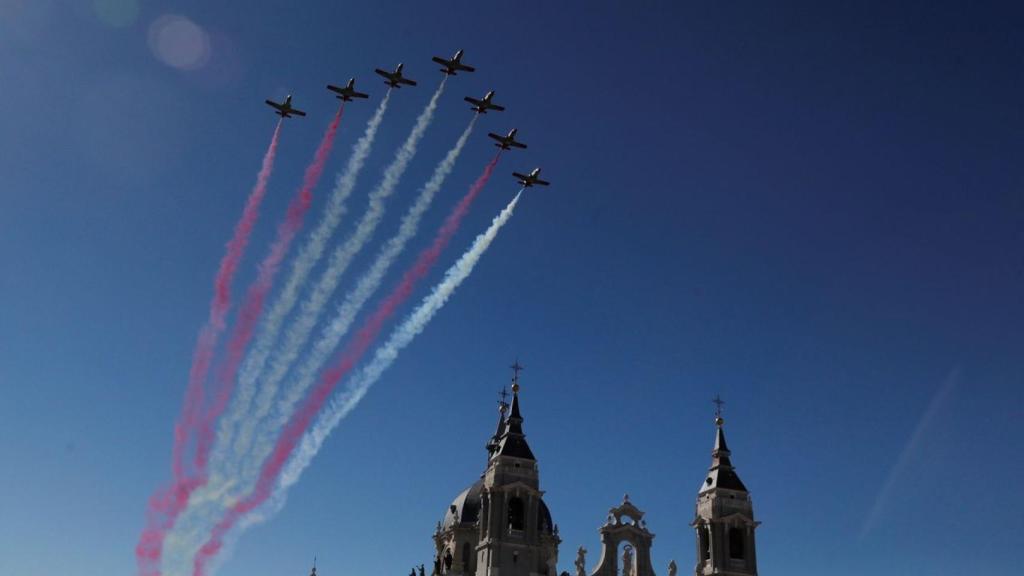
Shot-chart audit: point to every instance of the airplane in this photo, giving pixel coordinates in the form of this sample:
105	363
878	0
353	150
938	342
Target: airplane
395	79
347	93
482	106
506	142
285	109
453	65
527	180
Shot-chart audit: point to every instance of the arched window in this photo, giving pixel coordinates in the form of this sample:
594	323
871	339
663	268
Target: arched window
705	544
736	545
447	561
516	514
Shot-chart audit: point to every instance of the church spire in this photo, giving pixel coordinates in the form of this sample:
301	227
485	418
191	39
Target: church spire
721	474
724	521
492	444
513	440
516	369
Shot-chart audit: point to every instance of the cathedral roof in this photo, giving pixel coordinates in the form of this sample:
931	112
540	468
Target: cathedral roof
465	510
512	441
721	474
515	445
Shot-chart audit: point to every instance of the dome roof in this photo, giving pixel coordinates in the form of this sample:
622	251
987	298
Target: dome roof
544	519
465	509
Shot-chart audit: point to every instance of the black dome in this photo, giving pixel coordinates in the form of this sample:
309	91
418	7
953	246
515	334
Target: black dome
465	509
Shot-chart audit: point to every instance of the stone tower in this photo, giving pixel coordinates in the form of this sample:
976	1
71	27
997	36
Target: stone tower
500	525
725	517
625	524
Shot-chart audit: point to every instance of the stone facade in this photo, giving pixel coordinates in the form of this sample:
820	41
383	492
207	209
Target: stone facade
500	525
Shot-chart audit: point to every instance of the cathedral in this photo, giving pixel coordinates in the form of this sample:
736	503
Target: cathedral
500	525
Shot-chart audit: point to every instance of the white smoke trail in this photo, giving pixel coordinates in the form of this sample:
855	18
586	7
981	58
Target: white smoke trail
384	356
302	265
299	330
191	527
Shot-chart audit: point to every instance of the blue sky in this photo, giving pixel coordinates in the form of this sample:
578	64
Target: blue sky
814	211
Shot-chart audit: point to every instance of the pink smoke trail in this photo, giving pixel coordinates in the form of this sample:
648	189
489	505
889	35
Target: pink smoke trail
168	502
297	426
252	306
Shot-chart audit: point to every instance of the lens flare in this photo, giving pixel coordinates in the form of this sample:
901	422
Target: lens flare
179	42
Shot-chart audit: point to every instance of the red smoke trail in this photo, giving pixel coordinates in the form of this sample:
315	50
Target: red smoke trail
252	306
296	427
167	503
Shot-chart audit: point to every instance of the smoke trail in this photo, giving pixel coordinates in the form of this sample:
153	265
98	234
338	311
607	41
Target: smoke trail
355	299
301	420
308	256
167	503
385	355
252	306
225	481
298	332
913	444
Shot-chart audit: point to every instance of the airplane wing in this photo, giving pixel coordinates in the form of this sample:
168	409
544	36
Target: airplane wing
520	176
542	182
359	95
517	144
440	60
496	107
383	73
497	137
296	112
407	81
275	105
334	88
473	101
466	68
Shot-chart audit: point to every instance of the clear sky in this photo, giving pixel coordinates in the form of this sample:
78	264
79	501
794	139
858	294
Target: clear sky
814	211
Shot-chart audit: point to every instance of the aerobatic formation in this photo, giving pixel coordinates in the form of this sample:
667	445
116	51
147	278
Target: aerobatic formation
259	405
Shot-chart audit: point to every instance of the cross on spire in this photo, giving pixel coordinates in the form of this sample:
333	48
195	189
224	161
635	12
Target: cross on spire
516	369
503	398
718	402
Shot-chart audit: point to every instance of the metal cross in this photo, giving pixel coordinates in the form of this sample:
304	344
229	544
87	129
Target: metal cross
516	369
503	396
718	402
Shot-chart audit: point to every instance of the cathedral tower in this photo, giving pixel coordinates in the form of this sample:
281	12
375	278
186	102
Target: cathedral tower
724	521
500	525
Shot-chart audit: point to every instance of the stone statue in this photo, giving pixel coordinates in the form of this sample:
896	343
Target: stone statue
422	570
581	561
413	573
672	569
627	560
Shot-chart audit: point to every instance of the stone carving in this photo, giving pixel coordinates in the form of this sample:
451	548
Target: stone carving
627	560
581	561
672	569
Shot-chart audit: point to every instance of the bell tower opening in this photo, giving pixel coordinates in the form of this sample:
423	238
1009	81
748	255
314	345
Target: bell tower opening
500	526
724	520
